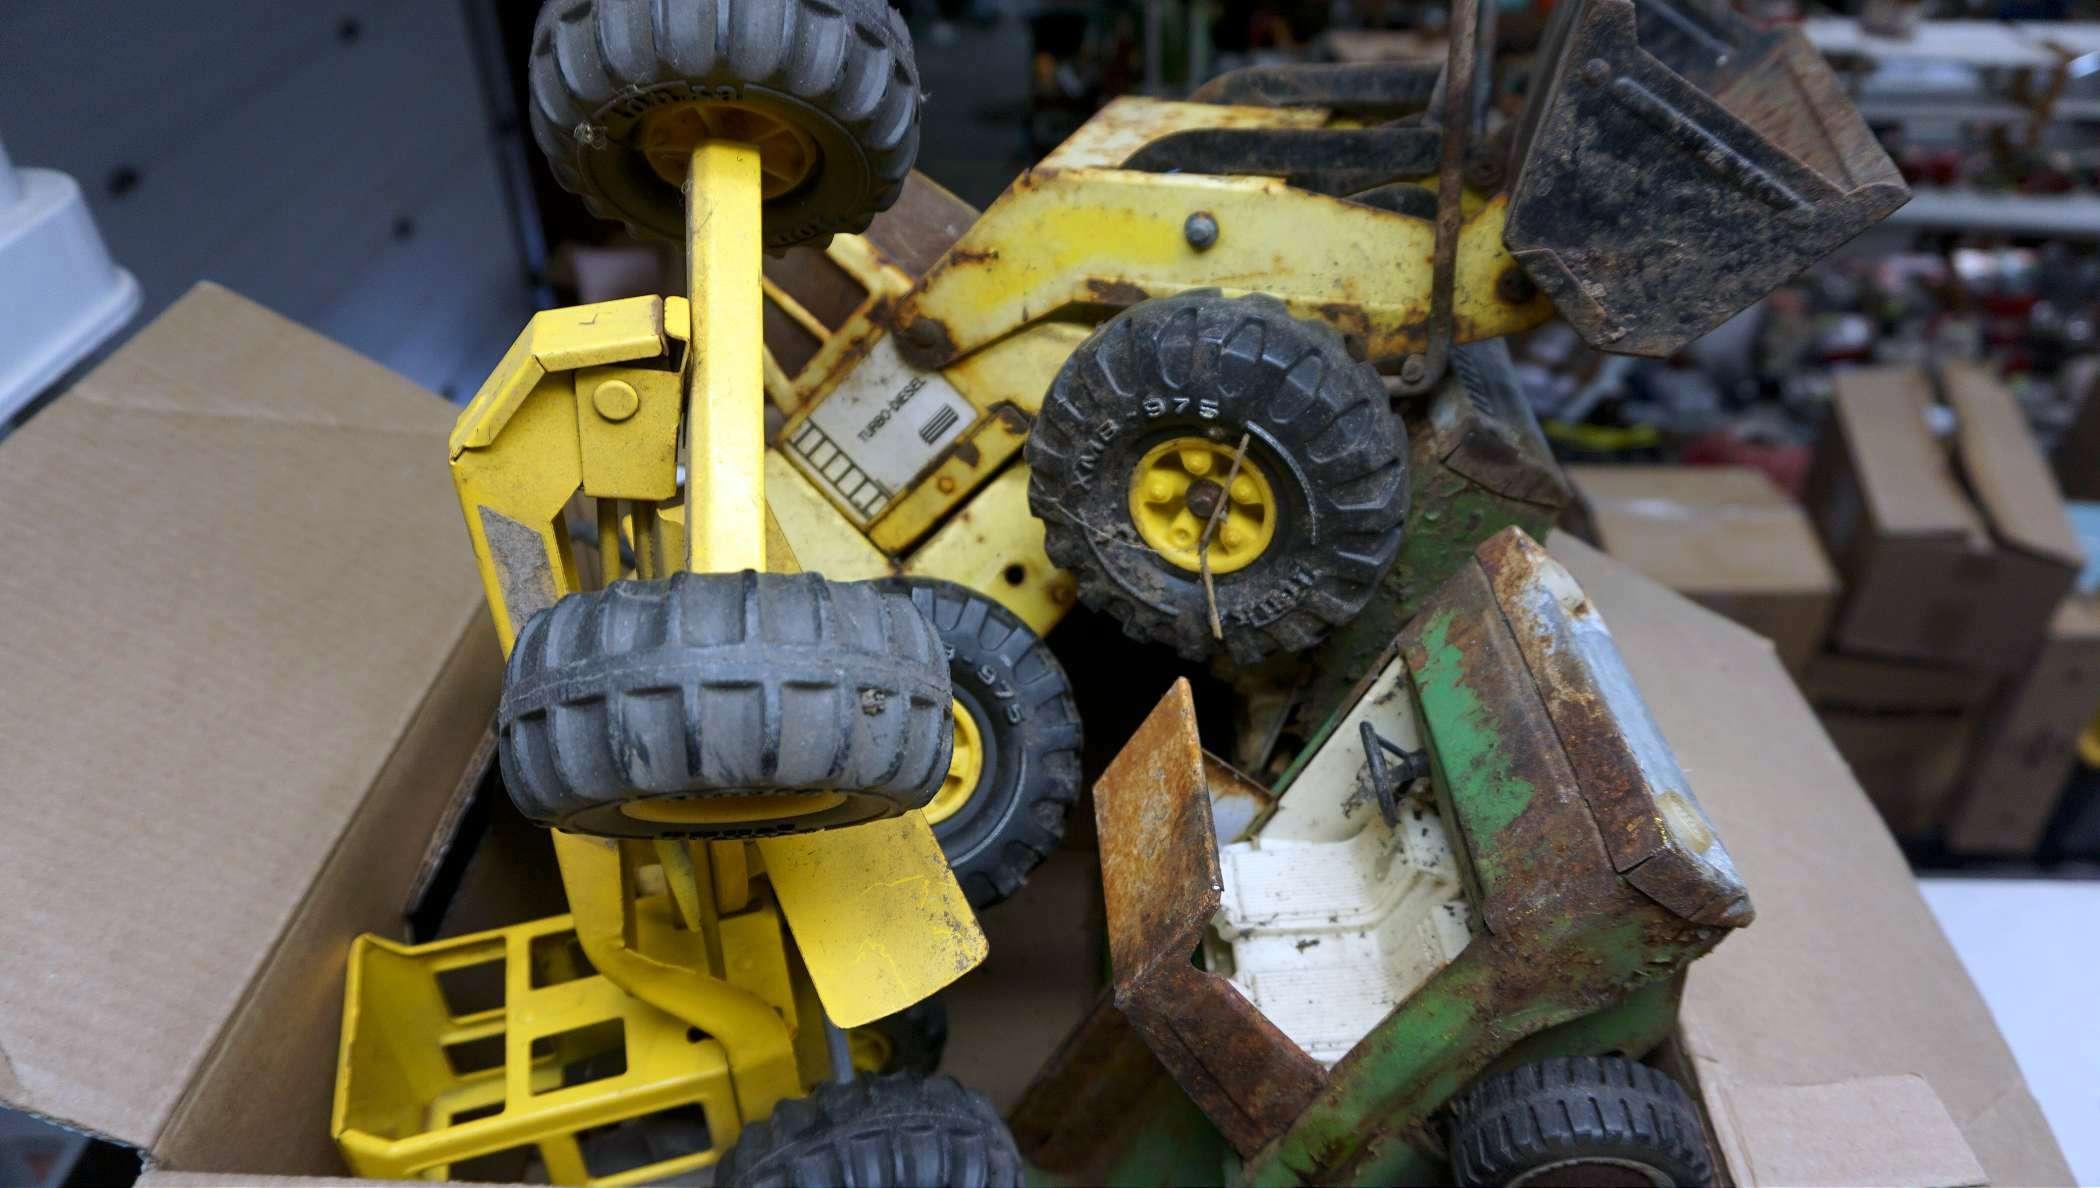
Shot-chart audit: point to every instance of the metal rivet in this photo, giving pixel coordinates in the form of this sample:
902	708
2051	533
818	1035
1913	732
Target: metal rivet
1200	230
1595	71
616	400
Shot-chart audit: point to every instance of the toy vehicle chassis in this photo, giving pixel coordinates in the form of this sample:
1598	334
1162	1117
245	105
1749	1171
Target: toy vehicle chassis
1594	880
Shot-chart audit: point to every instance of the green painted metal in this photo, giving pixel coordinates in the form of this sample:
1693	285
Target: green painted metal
1465	745
1447	518
1568	958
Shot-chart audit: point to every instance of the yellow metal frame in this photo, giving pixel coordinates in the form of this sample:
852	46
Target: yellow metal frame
409	1102
603	403
1067	245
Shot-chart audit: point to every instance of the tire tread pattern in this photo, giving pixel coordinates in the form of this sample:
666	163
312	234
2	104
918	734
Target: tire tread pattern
977	631
849	61
722	683
877	1132
1570	1107
1293	379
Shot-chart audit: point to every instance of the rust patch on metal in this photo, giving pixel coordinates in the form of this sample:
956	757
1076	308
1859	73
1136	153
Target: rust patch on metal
923	224
1159	877
924	342
1661	188
1624	770
1514	286
1116	292
1085	1102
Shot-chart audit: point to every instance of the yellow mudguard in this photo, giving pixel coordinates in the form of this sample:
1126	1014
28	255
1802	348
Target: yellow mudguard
878	916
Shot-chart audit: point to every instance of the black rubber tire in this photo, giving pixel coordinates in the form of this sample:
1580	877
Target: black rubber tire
841	70
723	684
897	1131
1554	1113
1012	686
1320	426
918	1035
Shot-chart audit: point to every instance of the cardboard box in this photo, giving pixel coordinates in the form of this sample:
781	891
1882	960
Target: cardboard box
2028	744
1953	556
1834	681
1724	536
1908	763
1906	727
210	798
246	653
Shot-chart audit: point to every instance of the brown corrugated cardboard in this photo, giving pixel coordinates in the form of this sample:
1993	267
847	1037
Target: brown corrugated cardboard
1726	537
1956	553
176	977
251	621
1907	762
1873	684
2077	457
2028	743
1907	728
1808	1027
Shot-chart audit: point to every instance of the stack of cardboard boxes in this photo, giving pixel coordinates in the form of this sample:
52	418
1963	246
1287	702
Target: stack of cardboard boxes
1957	675
1938	641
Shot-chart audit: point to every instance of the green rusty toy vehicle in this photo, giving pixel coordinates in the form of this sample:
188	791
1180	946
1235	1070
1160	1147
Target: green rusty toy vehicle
1447	943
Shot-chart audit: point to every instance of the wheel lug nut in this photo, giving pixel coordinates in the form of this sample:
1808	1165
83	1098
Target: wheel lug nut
1203	498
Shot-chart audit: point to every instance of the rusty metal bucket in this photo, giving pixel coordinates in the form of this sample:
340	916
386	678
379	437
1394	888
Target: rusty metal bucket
1676	163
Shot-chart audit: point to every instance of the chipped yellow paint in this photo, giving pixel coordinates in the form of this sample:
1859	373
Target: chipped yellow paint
966	466
1058	240
878	915
1128	123
995	545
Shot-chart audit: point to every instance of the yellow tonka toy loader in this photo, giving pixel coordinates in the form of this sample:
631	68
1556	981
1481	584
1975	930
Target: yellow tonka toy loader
1147	377
732	753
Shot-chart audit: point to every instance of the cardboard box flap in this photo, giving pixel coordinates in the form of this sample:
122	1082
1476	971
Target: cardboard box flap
2004	467
1841	1133
1845	977
1706	528
193	709
1909	483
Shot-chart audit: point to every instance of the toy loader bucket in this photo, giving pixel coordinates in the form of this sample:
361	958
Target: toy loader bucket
1674	164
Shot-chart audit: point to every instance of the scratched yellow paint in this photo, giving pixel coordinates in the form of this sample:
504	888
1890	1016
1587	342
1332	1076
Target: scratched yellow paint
876	913
1107	236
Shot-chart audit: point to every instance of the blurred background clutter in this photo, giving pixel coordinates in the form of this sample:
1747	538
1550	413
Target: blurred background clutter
1890	467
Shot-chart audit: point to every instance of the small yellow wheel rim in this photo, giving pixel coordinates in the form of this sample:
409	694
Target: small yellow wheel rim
965	770
1173	490
731	810
868	1050
669	134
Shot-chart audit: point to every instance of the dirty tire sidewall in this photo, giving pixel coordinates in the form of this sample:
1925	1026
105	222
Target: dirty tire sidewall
840	70
1570	1110
724	685
1007	679
877	1132
1319	426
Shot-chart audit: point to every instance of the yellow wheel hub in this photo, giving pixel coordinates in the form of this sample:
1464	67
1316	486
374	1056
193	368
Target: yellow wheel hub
868	1050
786	154
965	770
1176	487
730	810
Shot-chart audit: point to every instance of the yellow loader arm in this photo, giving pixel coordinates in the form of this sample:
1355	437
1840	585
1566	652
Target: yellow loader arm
589	401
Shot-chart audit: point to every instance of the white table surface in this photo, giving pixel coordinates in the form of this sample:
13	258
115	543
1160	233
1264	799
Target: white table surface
2033	948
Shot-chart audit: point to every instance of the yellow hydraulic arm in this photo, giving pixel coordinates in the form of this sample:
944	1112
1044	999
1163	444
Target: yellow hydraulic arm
591	400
